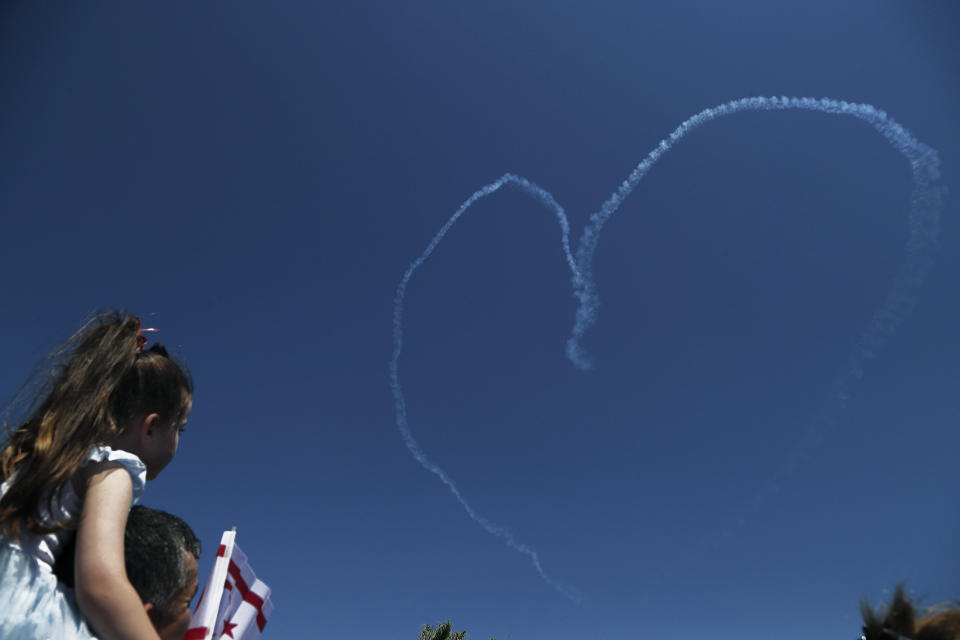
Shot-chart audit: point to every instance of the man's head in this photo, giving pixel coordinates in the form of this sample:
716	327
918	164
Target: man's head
161	552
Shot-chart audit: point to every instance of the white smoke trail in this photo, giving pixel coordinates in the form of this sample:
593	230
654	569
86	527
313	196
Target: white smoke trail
924	224
399	402
924	227
924	215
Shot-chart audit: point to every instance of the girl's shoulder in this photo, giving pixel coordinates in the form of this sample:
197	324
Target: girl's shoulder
102	458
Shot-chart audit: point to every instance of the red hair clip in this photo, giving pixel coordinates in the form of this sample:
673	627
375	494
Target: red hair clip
141	339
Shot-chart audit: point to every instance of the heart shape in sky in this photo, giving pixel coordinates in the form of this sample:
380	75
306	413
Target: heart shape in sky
924	223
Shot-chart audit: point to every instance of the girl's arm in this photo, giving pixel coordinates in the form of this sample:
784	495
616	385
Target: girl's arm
107	599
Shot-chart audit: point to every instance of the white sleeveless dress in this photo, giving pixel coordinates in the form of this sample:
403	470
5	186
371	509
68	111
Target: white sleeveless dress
33	604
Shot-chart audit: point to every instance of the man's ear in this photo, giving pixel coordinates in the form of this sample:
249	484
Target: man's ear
156	618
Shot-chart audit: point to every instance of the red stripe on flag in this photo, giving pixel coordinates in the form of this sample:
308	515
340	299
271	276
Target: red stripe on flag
197	633
248	596
222	550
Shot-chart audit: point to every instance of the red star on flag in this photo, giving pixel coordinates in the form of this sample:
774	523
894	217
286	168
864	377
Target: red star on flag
227	629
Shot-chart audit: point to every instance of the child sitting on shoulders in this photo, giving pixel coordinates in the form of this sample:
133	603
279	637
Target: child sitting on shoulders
110	421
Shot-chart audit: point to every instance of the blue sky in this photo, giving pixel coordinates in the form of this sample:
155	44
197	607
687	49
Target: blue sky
253	179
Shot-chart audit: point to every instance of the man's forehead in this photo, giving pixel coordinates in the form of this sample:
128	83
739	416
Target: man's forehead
193	571
192	564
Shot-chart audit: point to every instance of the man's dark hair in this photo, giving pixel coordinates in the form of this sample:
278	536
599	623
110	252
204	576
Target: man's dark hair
153	546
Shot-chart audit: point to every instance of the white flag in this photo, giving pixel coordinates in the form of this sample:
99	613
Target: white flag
234	603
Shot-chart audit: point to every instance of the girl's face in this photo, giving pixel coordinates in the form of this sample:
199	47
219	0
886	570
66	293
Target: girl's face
160	448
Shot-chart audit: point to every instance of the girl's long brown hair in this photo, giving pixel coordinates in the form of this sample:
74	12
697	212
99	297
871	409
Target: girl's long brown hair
99	382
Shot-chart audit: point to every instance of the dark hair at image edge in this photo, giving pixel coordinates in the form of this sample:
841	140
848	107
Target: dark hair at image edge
900	619
154	545
97	384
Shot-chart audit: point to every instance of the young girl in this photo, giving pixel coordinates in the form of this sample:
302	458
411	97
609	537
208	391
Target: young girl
110	421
